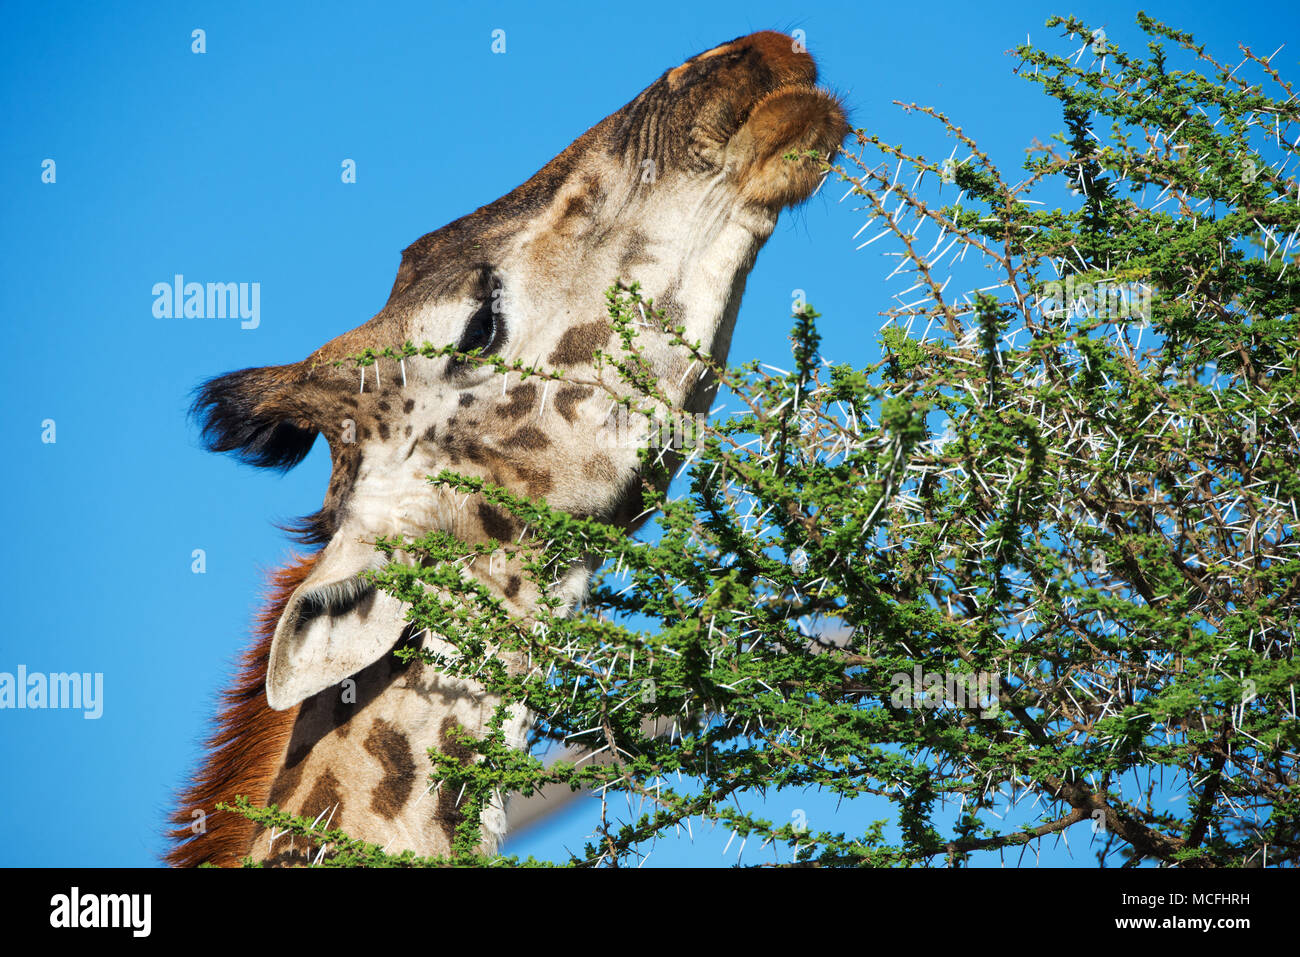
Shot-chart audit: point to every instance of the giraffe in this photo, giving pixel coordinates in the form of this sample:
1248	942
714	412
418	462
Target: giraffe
679	190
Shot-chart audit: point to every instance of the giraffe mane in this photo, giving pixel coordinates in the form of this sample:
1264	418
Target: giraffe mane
245	747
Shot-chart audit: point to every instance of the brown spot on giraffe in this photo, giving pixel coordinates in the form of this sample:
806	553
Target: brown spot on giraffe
600	468
325	800
537	481
522	399
567	399
577	206
473	449
393	752
634	253
580	343
529	438
496	523
448	812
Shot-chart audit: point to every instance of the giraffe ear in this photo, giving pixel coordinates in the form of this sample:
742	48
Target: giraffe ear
333	626
251	414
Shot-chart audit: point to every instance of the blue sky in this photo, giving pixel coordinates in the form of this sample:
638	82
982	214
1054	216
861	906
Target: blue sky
225	166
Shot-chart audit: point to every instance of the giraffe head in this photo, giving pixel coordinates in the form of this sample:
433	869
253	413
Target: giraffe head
678	190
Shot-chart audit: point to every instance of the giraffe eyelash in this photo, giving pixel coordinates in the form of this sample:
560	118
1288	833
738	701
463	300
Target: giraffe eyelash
334	598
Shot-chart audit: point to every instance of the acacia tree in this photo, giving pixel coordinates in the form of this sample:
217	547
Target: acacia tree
1044	549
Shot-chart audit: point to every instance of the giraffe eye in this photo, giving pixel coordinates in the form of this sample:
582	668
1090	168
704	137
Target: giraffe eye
485	326
481	331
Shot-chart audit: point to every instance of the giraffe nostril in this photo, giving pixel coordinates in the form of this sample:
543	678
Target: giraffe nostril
784	55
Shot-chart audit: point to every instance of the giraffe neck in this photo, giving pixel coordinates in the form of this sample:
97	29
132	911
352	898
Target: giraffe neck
357	758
